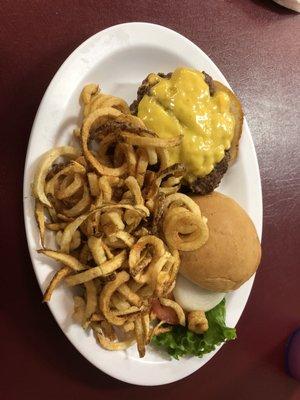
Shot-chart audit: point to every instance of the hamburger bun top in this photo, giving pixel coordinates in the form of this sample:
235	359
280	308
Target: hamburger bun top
231	254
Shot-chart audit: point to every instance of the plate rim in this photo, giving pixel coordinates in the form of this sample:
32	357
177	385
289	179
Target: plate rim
26	183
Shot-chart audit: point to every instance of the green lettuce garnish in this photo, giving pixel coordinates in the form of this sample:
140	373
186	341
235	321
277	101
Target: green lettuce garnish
180	341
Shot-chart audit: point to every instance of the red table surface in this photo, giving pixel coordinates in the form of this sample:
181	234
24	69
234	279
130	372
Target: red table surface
256	46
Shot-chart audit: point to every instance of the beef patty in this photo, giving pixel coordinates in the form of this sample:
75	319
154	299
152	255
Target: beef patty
205	184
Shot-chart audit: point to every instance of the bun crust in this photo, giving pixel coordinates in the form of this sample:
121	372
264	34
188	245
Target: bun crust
232	253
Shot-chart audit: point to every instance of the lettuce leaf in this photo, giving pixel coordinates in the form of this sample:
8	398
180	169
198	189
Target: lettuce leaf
180	341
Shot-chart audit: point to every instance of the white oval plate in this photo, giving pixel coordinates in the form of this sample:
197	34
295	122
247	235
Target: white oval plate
119	58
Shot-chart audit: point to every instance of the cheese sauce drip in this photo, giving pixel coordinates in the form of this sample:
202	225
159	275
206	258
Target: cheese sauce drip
182	105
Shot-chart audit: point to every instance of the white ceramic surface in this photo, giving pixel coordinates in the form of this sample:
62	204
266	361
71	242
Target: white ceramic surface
119	58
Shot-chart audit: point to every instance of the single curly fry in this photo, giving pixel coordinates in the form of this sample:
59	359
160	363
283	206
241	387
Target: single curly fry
197	321
88	92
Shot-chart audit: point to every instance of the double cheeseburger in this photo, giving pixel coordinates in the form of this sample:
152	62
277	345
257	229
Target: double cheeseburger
204	112
229	258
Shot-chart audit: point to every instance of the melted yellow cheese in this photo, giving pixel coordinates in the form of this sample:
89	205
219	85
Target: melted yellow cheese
183	105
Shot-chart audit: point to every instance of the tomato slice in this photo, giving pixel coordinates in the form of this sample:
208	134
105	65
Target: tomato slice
164	313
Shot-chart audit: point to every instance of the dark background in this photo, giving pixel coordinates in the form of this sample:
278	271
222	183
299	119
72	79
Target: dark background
256	46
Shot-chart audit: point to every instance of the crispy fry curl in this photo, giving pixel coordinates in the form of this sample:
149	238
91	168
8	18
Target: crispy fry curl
119	222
